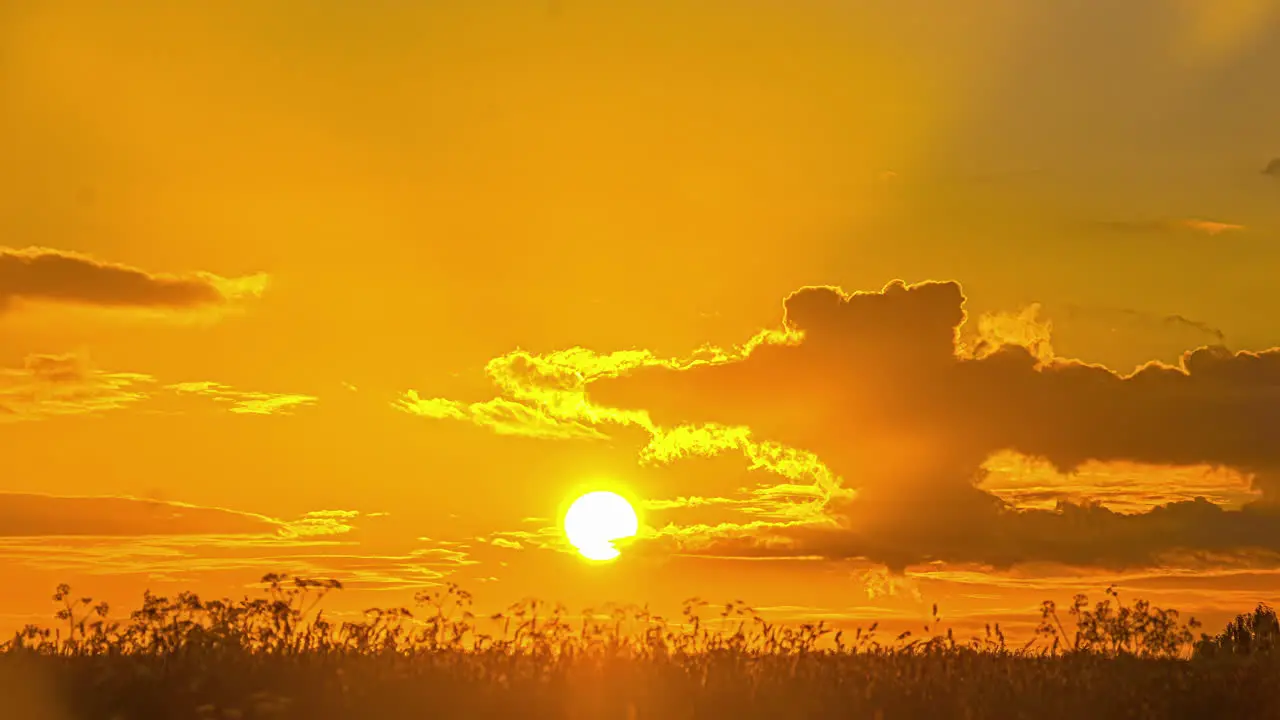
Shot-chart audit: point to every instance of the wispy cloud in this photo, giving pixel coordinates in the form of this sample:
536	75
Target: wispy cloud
502	416
245	402
1131	317
1207	227
203	558
547	395
49	386
34	515
181	542
55	385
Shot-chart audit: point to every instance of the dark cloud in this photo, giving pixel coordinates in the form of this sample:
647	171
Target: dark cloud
1272	168
883	391
1206	328
1084	535
50	275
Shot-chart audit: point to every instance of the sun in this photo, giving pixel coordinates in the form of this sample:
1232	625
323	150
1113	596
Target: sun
598	519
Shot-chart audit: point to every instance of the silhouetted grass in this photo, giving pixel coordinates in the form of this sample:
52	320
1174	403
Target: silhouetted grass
279	656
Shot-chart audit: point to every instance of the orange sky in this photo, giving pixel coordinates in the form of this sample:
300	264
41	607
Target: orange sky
342	288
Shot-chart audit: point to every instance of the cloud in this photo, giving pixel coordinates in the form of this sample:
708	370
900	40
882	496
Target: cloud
1076	535
898	395
1126	338
500	415
243	402
1131	316
1207	227
1029	483
179	542
187	559
121	534
59	276
694	501
1272	168
32	515
54	385
48	386
545	396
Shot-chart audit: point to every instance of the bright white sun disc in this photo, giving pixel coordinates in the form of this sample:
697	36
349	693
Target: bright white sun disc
596	520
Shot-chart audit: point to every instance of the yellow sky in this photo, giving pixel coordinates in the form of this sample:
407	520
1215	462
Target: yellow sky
234	236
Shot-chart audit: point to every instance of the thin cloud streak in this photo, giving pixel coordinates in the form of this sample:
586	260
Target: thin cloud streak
1195	225
36	515
245	402
165	540
50	386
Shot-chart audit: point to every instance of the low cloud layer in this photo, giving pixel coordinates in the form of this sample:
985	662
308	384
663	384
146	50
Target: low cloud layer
58	276
894	392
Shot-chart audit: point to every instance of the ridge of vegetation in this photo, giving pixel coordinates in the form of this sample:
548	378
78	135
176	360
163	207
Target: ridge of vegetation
280	656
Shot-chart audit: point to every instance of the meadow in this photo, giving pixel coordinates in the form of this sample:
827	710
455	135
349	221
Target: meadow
278	655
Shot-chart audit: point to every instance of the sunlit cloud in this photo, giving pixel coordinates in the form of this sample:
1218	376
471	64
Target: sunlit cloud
502	416
1100	511
1212	228
1194	225
245	402
547	395
689	502
49	386
1030	483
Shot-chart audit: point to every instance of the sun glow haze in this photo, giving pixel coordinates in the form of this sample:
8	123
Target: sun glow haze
598	519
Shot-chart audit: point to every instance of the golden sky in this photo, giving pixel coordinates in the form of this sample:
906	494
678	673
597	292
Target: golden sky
371	289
